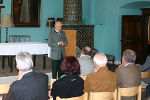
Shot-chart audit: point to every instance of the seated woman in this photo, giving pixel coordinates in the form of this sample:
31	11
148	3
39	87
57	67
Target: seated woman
70	83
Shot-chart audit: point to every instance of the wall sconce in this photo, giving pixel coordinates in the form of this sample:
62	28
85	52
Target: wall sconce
51	22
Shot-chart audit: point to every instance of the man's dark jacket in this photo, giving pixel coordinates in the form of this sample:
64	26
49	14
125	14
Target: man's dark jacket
32	86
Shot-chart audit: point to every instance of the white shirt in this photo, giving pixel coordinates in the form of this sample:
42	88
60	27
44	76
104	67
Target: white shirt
127	64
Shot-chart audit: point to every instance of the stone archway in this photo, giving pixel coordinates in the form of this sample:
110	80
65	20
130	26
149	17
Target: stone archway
136	4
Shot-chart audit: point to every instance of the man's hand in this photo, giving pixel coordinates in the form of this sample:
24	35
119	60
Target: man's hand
49	93
61	43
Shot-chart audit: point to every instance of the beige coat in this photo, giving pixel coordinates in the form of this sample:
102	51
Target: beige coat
101	81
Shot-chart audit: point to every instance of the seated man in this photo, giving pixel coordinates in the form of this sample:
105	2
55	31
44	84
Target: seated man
128	75
145	68
85	61
146	65
102	80
29	85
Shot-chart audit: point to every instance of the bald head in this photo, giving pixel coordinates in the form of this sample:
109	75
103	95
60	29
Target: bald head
58	26
100	60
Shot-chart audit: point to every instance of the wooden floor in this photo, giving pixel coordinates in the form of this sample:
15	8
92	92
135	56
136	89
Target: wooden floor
38	66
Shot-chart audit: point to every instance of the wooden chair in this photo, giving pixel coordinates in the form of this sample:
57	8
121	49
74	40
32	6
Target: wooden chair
83	97
83	77
132	91
102	95
52	81
4	88
145	75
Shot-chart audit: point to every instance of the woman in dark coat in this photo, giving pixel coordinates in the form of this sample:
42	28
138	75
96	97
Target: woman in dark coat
70	83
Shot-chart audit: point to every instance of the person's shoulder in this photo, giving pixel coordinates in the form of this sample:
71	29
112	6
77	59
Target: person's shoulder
42	74
92	74
52	32
121	68
78	58
86	58
16	84
148	57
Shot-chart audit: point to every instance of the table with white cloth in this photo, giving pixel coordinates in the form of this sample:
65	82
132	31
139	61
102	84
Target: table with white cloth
34	48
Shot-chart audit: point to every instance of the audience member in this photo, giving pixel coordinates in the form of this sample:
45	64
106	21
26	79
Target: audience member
146	65
70	83
102	80
144	68
128	75
29	85
57	41
85	61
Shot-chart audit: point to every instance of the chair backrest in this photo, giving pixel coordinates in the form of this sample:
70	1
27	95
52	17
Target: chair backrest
19	38
145	74
131	91
102	95
4	88
83	97
83	77
52	81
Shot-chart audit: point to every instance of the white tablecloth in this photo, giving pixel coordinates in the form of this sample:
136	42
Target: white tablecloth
34	48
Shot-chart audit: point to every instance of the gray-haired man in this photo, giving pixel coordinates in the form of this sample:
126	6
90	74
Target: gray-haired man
29	85
128	74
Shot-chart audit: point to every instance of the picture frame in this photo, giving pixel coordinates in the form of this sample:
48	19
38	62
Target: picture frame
1	1
26	13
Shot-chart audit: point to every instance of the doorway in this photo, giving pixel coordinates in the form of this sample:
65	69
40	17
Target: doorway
134	35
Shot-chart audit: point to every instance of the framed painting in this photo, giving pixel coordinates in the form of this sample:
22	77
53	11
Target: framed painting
1	1
26	13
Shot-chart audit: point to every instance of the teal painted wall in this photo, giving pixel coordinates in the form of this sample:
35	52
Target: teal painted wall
105	15
106	28
86	11
108	23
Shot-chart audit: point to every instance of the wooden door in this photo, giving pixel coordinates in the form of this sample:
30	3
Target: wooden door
134	35
71	47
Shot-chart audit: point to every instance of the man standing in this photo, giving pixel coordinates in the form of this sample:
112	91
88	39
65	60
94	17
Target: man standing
85	61
29	85
57	41
102	80
128	74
